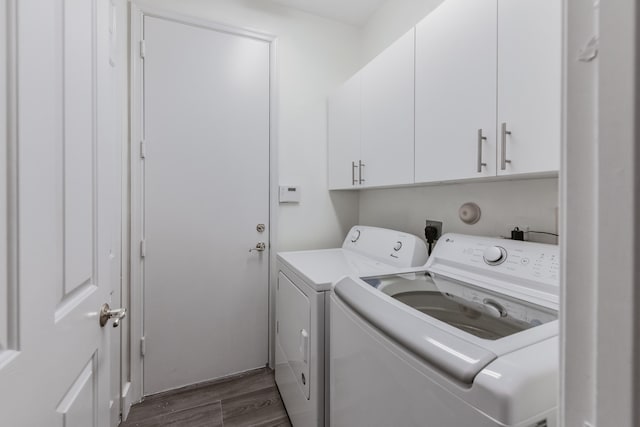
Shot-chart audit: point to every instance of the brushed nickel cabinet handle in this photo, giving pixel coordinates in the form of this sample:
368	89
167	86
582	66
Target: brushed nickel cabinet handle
360	166
353	173
503	160
481	138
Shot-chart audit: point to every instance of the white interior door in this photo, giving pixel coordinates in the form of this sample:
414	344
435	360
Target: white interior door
58	212
206	189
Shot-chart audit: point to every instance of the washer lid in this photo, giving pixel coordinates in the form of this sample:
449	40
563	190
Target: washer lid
477	311
453	355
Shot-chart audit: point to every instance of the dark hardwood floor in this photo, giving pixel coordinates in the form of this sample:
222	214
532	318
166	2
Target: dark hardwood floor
248	399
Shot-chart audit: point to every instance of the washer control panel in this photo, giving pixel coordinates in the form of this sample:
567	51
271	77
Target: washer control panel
511	263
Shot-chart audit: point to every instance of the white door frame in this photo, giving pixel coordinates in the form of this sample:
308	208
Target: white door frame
140	9
9	182
600	205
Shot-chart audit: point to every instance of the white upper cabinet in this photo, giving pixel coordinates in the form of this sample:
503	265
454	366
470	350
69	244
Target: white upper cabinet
529	85
387	148
344	135
455	83
473	91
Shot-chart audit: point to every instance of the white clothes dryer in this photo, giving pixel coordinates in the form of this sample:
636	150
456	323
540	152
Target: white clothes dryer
304	281
470	342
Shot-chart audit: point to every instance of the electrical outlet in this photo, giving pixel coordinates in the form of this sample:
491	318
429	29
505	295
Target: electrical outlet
437	225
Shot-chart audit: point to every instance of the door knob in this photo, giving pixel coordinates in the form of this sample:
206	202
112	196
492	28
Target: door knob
106	313
260	247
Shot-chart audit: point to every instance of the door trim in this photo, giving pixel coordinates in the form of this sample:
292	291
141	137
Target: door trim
140	9
10	333
600	207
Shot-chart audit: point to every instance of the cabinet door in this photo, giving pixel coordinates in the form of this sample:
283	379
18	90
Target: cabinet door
344	134
456	91
529	85
387	115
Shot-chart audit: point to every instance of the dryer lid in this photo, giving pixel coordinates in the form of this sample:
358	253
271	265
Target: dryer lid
320	268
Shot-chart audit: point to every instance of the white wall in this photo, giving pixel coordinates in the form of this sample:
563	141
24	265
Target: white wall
392	20
314	56
504	204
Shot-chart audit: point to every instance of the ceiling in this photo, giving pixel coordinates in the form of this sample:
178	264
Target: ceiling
354	12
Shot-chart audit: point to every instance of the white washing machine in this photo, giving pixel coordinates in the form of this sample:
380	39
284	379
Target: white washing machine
471	342
304	281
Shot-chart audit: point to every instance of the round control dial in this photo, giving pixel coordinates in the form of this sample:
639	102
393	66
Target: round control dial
495	255
355	236
397	246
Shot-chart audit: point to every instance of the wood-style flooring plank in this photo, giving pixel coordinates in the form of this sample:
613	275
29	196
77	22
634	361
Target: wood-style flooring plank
200	416
280	422
201	394
257	408
248	399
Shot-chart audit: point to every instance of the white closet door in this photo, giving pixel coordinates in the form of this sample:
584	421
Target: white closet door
387	116
206	117
529	85
456	91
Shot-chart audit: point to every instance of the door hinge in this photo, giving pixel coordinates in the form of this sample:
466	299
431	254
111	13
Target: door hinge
143	248
143	346
143	49
143	150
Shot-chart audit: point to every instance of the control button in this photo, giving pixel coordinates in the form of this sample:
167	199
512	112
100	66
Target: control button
355	236
397	246
524	261
495	255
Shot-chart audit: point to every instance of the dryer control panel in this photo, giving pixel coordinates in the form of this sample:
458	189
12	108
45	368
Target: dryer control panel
402	250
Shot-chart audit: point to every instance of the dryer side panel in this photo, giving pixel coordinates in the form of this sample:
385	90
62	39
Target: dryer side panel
293	316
